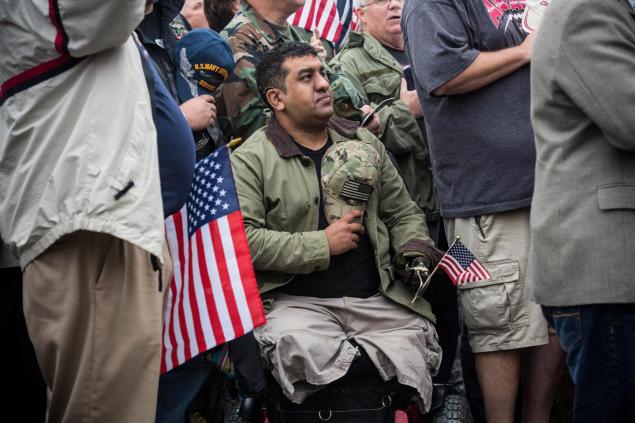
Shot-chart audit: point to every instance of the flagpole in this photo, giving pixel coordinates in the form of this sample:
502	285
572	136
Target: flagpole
425	284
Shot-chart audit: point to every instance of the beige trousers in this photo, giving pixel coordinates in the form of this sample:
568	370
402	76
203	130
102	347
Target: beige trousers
305	342
93	311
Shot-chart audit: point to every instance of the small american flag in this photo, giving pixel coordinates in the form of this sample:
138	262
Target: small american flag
461	266
333	18
213	296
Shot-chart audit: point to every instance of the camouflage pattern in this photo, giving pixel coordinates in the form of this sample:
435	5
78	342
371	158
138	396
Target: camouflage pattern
180	26
349	161
376	75
250	36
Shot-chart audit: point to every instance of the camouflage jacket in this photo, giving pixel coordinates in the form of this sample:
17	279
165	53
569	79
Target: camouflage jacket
250	36
376	75
278	191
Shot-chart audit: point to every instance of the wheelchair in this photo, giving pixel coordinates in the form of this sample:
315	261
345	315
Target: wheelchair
361	396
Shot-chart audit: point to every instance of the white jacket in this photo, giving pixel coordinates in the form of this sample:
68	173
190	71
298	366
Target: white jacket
75	126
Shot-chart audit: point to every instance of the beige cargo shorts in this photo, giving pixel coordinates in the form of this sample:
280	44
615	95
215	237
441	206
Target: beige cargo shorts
305	343
496	312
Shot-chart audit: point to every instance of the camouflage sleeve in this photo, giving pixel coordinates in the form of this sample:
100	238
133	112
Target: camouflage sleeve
243	106
405	221
344	64
346	99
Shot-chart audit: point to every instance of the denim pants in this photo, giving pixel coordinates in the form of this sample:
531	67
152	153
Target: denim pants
600	345
179	387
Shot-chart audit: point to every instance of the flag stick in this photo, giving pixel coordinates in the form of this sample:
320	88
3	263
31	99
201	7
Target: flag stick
425	284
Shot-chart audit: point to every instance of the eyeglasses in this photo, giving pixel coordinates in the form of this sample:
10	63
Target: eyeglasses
382	2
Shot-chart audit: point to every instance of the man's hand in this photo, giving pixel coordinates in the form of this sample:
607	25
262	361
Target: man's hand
528	45
316	43
200	112
411	99
417	265
343	235
374	125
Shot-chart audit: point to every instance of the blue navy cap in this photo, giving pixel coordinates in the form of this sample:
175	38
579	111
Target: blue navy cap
203	61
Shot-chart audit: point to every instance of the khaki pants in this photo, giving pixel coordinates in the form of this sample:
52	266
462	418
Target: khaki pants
305	343
93	311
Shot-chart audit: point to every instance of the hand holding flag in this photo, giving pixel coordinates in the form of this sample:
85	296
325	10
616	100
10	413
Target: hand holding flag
460	265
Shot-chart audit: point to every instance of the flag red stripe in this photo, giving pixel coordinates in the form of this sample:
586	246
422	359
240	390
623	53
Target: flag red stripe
221	262
318	15
194	295
326	27
338	33
450	272
476	271
481	269
456	266
449	269
333	18
170	328
311	18
247	275
452	265
324	24
180	223
214	318
465	277
185	334
175	358
176	221
297	16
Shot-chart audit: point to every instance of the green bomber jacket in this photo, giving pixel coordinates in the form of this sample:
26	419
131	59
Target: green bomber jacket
278	191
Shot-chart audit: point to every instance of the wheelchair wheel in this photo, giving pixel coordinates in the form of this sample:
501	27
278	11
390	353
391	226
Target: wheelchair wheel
455	409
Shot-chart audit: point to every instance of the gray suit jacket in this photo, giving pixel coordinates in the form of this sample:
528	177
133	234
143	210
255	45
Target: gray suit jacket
583	112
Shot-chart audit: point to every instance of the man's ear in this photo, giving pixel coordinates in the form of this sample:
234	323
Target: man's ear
275	99
359	11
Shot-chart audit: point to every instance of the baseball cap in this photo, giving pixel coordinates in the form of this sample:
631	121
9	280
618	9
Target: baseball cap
203	61
350	171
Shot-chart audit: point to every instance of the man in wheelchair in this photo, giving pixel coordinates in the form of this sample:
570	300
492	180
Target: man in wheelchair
332	231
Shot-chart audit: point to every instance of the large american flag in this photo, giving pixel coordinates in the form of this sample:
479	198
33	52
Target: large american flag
333	18
461	265
213	296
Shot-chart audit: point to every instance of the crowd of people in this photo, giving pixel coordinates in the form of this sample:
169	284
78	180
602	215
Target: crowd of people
354	164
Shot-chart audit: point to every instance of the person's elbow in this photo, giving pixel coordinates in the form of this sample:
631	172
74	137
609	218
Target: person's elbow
451	87
113	22
441	91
